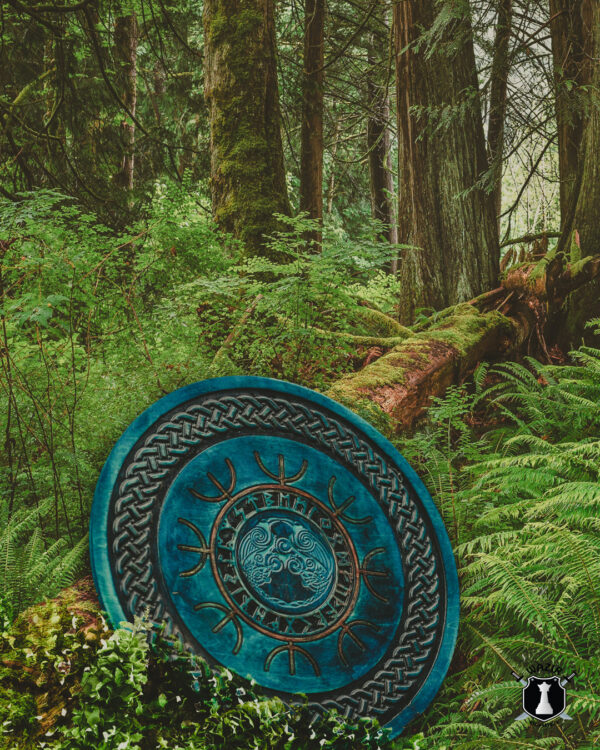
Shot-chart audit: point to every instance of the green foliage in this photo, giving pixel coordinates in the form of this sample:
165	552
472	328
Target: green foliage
43	655
95	326
295	297
87	342
62	101
520	498
134	689
33	567
109	712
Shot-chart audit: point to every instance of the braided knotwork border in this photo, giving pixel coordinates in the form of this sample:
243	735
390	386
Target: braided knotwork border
164	448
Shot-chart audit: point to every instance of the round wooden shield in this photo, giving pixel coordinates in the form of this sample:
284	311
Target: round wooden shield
278	534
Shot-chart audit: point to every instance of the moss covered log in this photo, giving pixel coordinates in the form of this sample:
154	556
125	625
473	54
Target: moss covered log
519	317
395	390
247	174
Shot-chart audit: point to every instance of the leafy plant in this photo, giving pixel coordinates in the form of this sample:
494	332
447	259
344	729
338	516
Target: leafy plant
139	697
287	310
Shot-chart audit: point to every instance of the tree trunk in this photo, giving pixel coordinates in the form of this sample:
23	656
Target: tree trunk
126	39
378	145
571	71
586	221
498	87
311	155
248	183
441	211
331	181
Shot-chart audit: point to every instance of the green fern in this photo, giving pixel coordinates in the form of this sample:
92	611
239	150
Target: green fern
521	502
31	567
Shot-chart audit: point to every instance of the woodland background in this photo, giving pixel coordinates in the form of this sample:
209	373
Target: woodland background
396	203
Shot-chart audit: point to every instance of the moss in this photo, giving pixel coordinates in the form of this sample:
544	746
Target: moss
574	248
380	324
387	370
577	266
461	330
227	25
45	651
466	327
363	407
540	268
248	178
462	333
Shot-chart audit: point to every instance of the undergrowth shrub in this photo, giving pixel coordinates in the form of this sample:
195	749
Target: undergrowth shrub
143	697
95	326
85	346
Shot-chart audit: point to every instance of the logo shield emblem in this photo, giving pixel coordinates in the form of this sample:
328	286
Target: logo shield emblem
544	698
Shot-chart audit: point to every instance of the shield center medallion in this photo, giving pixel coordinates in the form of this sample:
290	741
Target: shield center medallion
282	562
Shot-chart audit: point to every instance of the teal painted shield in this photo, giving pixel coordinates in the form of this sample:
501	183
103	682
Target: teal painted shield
278	534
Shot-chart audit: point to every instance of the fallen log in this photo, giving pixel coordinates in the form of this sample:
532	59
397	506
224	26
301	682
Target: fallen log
522	316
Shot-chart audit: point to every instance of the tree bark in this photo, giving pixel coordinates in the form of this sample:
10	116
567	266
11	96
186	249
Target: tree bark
498	88
311	154
571	71
331	181
381	179
247	182
586	221
126	40
441	210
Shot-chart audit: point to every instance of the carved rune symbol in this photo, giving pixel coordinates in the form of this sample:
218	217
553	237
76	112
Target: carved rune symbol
285	565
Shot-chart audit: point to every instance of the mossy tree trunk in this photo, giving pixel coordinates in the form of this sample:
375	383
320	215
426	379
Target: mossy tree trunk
311	153
442	155
571	71
247	172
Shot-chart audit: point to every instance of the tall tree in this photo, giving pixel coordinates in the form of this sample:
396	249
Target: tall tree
570	37
498	88
311	153
381	179
585	198
442	155
126	44
247	173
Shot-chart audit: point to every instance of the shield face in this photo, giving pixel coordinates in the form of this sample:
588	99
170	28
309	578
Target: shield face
544	698
278	535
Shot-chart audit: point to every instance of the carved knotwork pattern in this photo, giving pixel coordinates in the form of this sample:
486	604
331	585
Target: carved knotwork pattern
155	460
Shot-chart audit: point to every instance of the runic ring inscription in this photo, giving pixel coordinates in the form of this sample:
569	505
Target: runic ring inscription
285	553
277	534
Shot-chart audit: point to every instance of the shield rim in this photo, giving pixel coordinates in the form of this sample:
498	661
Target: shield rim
98	536
543	679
